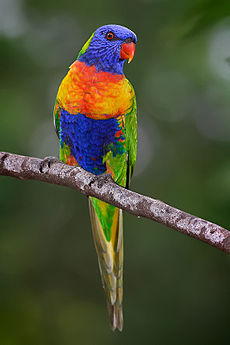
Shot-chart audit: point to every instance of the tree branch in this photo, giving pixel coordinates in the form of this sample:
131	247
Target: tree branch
103	187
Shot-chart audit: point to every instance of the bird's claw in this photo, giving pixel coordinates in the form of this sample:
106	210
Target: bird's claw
47	162
100	179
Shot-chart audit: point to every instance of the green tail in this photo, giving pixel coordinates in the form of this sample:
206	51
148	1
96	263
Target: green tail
108	240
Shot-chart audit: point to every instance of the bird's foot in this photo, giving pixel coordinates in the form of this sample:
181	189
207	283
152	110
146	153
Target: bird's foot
47	162
100	179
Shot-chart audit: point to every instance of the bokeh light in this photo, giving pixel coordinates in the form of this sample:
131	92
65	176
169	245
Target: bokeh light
175	288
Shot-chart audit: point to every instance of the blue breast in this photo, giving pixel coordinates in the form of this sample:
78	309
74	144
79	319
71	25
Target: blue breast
88	139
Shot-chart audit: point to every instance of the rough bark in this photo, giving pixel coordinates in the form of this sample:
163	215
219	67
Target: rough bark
103	187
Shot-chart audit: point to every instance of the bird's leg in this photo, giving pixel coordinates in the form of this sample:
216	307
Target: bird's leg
101	179
47	162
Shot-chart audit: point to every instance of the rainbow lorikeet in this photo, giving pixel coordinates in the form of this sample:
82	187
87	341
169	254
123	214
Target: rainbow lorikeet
95	119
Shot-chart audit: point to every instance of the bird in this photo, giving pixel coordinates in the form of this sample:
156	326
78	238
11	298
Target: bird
95	117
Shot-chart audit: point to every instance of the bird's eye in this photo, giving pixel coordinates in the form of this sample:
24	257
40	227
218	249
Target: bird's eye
109	36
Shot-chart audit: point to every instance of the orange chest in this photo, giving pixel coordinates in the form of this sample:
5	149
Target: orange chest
98	95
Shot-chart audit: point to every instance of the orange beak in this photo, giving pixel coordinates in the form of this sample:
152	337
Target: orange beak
127	51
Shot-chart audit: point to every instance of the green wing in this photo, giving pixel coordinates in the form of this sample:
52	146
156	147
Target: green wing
131	139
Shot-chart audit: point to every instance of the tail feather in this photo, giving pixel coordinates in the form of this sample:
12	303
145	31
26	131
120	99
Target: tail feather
110	258
115	316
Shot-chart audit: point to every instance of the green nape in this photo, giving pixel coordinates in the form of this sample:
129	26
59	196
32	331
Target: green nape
85	46
106	215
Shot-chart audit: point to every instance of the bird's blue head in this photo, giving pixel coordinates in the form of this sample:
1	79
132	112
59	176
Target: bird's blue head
108	48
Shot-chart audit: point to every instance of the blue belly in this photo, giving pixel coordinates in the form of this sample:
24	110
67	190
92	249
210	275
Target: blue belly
88	139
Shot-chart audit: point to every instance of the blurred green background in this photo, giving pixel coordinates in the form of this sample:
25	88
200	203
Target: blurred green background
176	288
